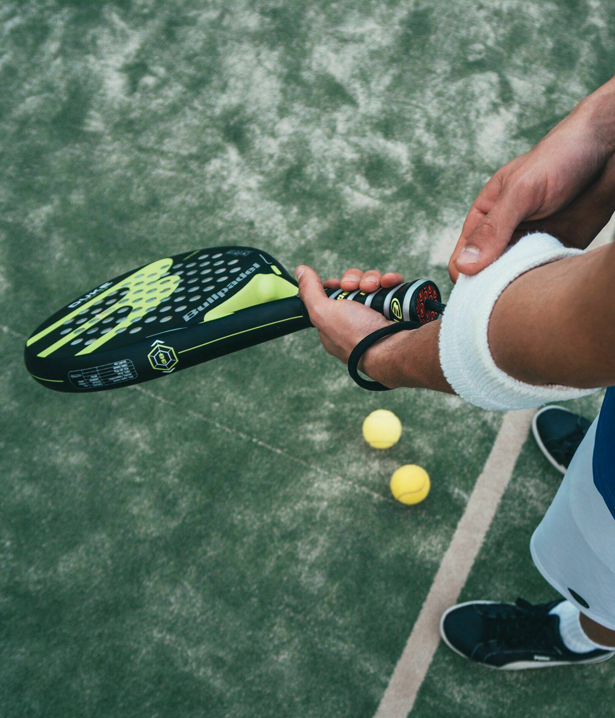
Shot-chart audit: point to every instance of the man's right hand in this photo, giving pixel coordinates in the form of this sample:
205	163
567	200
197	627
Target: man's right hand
565	186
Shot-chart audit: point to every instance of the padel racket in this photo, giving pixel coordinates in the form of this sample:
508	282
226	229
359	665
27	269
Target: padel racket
185	310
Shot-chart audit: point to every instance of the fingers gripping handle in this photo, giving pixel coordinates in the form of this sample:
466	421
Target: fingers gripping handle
417	301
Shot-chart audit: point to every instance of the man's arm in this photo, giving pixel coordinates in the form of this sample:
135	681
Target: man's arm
553	325
563	186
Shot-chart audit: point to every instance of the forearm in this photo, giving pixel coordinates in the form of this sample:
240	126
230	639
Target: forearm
556	323
408	359
598	111
553	325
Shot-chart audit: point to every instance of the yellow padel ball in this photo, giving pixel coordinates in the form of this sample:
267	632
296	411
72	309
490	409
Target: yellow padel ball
381	429
410	484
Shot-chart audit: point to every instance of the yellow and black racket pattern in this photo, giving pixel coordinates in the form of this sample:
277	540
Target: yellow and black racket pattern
184	310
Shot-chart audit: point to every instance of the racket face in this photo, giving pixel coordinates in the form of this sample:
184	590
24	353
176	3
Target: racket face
137	326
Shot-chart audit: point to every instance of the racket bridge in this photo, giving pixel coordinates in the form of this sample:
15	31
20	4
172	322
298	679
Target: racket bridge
262	288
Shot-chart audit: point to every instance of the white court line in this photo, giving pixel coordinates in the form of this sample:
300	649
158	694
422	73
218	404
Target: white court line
268	447
263	445
8	330
412	667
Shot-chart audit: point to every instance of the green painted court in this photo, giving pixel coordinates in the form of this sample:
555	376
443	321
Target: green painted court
223	543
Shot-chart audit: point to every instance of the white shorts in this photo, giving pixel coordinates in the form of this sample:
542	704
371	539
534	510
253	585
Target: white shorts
574	545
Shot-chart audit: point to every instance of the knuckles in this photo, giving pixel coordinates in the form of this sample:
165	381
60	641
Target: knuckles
486	229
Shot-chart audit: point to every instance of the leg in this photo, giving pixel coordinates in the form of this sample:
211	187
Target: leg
597	633
574	549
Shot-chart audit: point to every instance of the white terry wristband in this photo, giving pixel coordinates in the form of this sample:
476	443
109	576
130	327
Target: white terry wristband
464	347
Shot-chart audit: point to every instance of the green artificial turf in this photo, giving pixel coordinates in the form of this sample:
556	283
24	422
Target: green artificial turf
223	543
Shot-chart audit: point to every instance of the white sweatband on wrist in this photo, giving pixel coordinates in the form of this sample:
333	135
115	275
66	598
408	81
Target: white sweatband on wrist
464	347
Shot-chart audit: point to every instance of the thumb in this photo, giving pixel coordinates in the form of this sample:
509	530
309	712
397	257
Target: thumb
490	237
311	290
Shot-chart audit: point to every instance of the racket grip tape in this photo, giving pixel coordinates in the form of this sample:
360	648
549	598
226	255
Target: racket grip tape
417	301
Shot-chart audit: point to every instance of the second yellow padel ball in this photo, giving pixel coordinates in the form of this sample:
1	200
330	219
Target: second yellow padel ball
410	484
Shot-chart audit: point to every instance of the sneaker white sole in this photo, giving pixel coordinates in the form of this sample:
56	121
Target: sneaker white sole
519	665
562	469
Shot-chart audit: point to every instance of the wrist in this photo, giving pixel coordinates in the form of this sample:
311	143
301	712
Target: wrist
409	359
381	362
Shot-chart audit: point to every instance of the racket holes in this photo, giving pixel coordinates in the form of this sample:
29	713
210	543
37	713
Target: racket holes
165	309
134	330
215	256
237	269
233	261
192	281
193	289
192	264
192	271
166	319
179	299
92	331
104	331
89	341
219	271
150	300
195	298
107	320
120	330
80	321
205	271
181	308
151	291
205	264
217	264
66	331
76	341
203	256
207	289
152	318
222	279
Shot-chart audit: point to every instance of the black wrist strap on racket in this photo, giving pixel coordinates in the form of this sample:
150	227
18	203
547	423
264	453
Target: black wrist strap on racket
365	344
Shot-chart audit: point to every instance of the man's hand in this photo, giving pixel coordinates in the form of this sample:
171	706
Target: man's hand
341	325
409	358
565	186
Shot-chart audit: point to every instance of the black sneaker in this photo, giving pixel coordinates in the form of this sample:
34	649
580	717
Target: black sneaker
510	636
558	433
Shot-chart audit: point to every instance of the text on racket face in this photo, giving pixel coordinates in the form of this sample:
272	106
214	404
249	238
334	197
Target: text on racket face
90	294
220	294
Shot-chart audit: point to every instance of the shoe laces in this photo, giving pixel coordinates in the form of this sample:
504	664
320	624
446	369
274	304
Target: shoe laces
525	625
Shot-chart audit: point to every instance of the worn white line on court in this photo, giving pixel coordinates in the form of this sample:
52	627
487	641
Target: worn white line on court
8	330
240	434
412	667
268	447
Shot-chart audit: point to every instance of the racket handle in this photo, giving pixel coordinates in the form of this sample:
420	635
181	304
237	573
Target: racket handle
417	301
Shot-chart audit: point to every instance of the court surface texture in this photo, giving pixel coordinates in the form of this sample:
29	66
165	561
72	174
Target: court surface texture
223	543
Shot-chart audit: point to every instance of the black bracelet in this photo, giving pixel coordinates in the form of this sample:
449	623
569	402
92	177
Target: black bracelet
365	344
